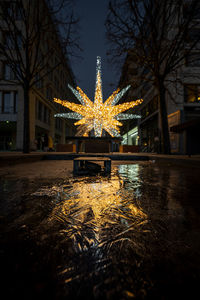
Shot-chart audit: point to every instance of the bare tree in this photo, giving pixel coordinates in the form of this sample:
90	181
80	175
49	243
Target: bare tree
34	32
157	34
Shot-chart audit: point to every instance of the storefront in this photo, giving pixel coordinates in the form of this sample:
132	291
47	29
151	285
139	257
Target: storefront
131	137
191	129
8	131
150	135
39	137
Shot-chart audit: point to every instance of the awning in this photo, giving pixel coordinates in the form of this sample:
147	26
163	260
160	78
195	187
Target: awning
183	126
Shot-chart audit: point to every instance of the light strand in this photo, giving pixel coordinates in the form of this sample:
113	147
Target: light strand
98	115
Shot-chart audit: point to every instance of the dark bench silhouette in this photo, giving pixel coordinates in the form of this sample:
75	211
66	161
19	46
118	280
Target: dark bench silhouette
87	164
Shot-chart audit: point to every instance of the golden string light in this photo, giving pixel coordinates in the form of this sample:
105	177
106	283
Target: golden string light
98	115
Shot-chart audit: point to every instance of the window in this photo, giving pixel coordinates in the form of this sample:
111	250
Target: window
153	105
145	71
49	93
144	112
8	41
197	14
145	88
193	35
50	73
42	112
40	109
12	9
40	56
8	72
188	9
19	41
6	103
39	81
46	117
12	41
192	93
56	82
58	124
193	60
11	72
45	114
9	102
150	108
7	8
19	11
15	102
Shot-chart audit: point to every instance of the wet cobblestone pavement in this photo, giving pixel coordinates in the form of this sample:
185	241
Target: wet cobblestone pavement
132	235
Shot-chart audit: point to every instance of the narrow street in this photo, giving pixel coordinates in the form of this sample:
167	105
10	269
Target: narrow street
100	149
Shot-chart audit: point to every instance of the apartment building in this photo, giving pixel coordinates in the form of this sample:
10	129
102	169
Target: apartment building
41	105
183	107
182	101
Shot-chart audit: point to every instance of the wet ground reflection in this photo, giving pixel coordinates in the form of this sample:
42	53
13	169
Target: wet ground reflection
134	234
100	217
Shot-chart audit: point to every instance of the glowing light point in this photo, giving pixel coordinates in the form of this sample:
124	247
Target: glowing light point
98	115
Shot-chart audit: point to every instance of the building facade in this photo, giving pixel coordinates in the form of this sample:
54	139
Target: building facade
182	102
183	108
41	105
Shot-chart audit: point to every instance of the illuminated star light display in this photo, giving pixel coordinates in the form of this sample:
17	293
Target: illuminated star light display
98	115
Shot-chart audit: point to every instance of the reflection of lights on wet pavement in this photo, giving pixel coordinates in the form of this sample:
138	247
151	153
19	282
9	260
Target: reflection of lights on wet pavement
98	215
96	206
116	237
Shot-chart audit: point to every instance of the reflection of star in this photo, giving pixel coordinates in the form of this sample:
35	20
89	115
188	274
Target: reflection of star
98	115
101	197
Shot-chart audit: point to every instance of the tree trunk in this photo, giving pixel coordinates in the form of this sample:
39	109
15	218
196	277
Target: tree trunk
26	137
165	140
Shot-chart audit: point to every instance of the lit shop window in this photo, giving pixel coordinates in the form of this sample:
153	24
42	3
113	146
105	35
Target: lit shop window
192	93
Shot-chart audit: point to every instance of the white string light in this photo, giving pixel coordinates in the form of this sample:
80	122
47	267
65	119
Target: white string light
127	117
74	115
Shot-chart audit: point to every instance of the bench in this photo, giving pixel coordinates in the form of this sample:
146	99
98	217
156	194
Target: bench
79	163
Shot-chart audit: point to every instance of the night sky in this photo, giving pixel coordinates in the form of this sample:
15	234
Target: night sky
93	41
